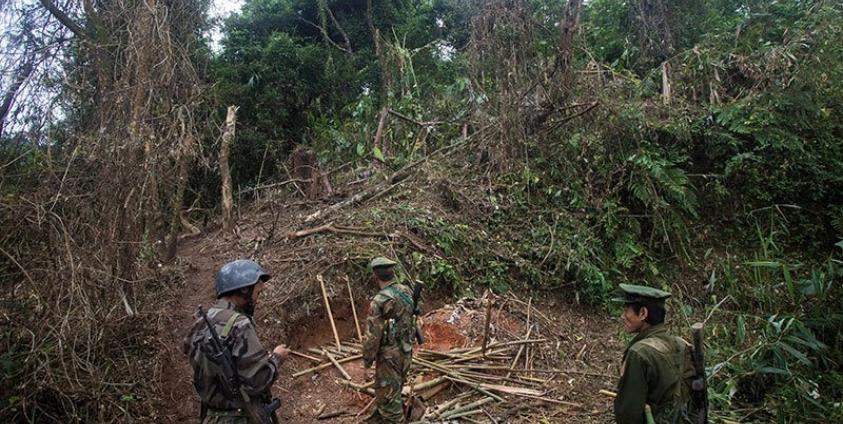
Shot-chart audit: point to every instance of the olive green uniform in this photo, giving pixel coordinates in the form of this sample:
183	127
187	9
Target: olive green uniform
255	367
652	373
389	343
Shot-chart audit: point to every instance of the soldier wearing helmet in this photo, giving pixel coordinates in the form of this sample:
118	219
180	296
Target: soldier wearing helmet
388	342
238	286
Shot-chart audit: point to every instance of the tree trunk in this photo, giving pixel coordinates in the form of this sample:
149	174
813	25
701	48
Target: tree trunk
565	51
181	184
23	73
378	141
666	92
227	139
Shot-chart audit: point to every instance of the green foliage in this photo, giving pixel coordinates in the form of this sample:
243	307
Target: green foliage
729	191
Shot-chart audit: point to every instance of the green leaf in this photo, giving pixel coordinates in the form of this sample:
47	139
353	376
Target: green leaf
773	370
789	280
361	149
378	154
764	264
800	356
740	334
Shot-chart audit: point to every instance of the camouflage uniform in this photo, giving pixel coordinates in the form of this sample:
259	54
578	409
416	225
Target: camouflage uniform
256	368
389	343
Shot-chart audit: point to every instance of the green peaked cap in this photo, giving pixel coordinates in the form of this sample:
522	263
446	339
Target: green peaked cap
632	293
381	261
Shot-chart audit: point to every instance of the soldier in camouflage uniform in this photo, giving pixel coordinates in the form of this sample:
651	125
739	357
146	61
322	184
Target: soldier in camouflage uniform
390	328
655	363
238	285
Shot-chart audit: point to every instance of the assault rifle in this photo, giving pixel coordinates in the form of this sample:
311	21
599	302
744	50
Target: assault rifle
417	289
699	387
221	356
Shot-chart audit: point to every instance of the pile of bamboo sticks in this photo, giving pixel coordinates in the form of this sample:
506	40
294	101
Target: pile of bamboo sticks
477	378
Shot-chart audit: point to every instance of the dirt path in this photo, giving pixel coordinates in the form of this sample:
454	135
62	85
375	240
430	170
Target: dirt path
179	403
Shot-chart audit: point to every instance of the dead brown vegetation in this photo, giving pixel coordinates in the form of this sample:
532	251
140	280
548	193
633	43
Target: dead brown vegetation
82	233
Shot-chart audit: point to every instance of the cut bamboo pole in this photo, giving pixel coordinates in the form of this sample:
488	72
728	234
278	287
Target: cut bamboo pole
467	407
424	385
302	355
328	308
355	386
550	400
476	386
465	414
326	365
520	350
445	406
488	323
336	364
353	309
227	140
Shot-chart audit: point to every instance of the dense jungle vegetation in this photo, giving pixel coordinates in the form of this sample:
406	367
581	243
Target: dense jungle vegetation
695	145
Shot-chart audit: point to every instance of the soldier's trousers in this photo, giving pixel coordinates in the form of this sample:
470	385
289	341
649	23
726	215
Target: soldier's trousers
391	370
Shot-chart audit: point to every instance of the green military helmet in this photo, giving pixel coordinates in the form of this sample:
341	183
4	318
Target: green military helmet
633	293
380	262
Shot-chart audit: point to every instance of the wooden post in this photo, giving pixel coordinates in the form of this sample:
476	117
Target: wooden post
328	309
488	322
378	142
666	83
183	159
353	309
227	139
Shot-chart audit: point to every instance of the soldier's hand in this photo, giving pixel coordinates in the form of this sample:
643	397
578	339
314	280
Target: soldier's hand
281	351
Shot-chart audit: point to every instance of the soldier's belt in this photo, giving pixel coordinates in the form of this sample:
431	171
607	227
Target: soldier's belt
239	412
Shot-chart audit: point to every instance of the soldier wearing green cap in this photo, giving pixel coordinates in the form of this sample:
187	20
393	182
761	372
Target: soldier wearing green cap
389	341
654	363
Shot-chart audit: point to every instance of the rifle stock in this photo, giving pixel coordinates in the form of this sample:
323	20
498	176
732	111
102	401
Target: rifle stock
699	387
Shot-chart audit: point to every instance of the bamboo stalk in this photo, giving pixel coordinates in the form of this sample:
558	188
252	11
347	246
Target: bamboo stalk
488	323
476	386
336	364
427	384
550	400
302	355
353	309
359	388
465	414
467	407
326	365
444	407
537	371
328	308
520	350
